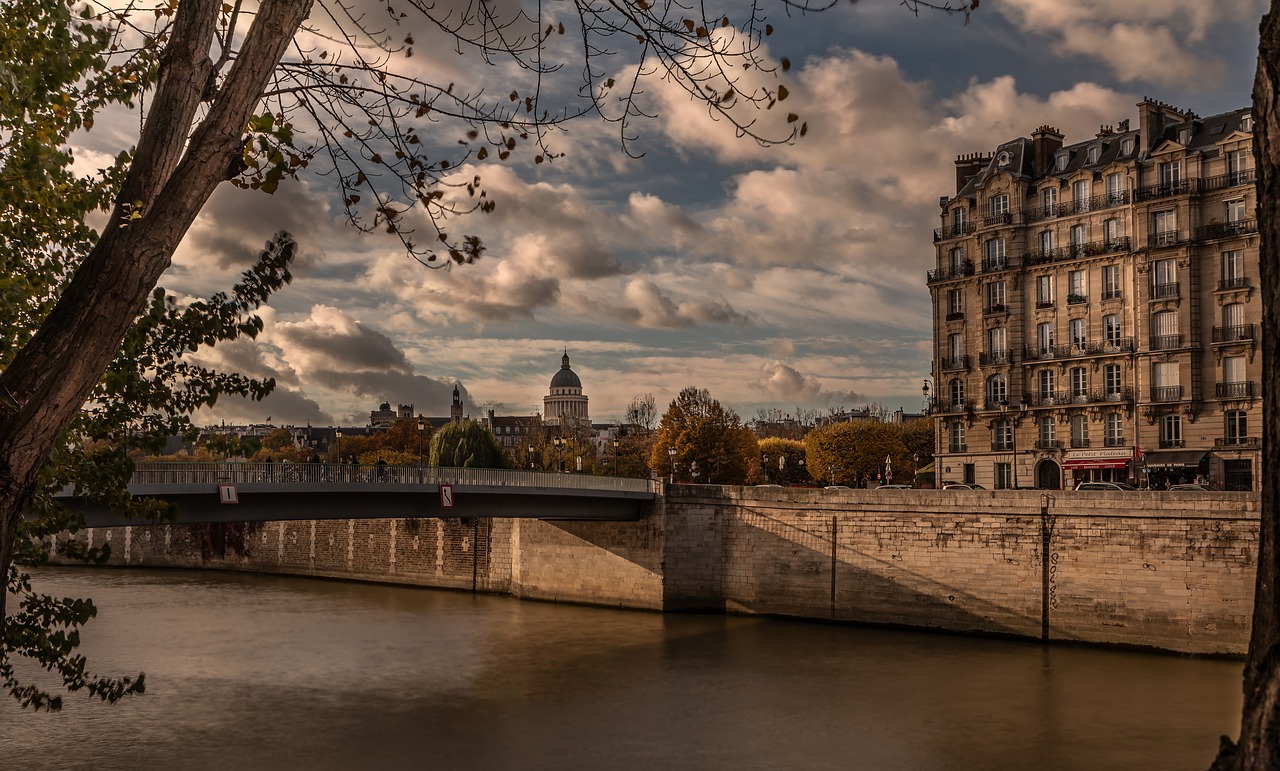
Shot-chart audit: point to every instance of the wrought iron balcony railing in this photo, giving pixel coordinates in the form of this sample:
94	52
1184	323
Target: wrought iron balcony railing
1233	334
1166	444
1165	190
954	363
1164	290
1240	390
1166	342
1073	251
1113	441
953	231
1226	229
1235	282
1230	179
994	358
1166	393
951	271
1048	444
1238	441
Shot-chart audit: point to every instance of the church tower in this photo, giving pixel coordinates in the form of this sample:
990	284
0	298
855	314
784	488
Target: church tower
565	404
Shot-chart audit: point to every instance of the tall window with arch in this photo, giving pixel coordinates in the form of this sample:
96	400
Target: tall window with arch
997	391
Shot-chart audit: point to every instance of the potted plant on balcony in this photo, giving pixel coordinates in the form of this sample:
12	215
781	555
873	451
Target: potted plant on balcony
1076	299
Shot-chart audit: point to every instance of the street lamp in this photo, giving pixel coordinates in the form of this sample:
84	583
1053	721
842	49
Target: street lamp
338	435
925	390
422	424
529	457
671	453
616	472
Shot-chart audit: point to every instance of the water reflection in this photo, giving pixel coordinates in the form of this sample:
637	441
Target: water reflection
258	672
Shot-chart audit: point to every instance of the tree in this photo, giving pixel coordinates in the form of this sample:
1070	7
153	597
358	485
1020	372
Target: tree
711	444
783	461
1258	746
642	411
854	452
467	445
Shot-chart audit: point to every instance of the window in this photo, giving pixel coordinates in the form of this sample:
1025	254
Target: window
1164	228
1171	431
996	341
1079	333
1115	189
1233	369
995	258
997	391
1049	201
1080	195
957	436
995	296
1164	330
1164	276
1114	429
1004	476
955	304
1079	377
1094	153
1079	430
1237	429
956	390
1060	162
1170	173
1076	289
1044	338
1112	332
1046	242
1236	160
1233	315
1233	269
1246	123
1235	210
1046	380
956	260
1164	382
1078	236
1047	431
999	205
1044	291
1184	136
1002	435
1126	147
1111	382
959	218
1112	233
1110	282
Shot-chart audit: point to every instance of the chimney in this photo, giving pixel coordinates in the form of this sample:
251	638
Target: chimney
1045	141
967	166
1153	117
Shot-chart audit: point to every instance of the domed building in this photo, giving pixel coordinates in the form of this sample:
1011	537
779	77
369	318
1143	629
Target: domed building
565	403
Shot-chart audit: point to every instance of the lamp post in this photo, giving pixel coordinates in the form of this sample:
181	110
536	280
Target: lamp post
559	445
616	472
338	435
671	453
529	457
927	408
422	425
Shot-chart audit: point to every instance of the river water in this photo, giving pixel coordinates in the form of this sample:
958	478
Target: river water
265	672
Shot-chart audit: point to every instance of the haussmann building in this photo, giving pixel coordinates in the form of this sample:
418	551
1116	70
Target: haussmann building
1096	308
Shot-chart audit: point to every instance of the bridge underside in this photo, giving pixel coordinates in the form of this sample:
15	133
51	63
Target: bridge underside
270	502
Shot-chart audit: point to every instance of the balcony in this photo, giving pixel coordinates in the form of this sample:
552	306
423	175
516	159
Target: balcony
1066	208
1164	238
1235	282
1073	251
1042	352
1166	393
1079	442
954	363
992	264
996	309
1166	342
1234	334
1232	179
954	271
953	231
1077	299
955	316
956	405
1241	442
1164	291
999	218
1113	394
1112	294
1170	444
1113	441
1241	390
1056	398
994	358
1226	229
1164	190
1048	444
1044	304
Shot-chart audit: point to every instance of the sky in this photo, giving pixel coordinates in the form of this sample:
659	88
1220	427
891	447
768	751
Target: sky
779	277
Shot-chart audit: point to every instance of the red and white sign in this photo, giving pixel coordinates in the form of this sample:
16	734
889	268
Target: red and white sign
446	496
227	493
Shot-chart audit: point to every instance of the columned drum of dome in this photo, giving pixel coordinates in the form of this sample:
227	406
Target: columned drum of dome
565	403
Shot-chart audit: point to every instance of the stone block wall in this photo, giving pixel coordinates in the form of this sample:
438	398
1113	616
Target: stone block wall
1162	570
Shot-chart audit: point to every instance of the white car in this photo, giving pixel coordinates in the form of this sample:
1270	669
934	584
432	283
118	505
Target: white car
1113	486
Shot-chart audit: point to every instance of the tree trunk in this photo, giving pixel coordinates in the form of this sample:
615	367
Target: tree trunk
1259	743
168	184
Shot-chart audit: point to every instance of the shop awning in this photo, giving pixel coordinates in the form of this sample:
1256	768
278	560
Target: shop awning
1158	459
1092	463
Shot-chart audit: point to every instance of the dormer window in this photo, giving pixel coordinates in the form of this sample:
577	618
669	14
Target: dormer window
1184	136
1246	123
1060	162
1126	147
1004	158
1094	152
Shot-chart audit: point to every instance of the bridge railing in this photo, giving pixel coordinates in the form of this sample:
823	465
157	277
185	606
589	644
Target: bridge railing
350	473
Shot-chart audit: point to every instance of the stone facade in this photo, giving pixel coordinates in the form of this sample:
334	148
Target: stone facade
1172	571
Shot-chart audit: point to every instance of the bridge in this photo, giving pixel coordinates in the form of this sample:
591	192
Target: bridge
257	492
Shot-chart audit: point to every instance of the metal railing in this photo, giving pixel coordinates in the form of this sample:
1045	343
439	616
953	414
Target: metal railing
1233	334
1166	342
1074	251
1168	444
158	473
1072	350
990	264
1112	294
1166	393
1079	442
1240	390
1235	282
1164	290
955	316
1048	444
956	405
1231	179
1165	190
1164	238
992	310
994	358
1066	208
1226	229
953	363
953	231
960	271
1238	441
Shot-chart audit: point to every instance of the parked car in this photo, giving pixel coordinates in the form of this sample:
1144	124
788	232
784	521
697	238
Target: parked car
1190	488
1113	486
961	486
837	487
894	487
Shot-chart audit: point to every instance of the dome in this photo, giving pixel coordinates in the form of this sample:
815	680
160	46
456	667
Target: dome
565	378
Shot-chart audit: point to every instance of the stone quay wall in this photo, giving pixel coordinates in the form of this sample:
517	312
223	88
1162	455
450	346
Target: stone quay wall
1170	571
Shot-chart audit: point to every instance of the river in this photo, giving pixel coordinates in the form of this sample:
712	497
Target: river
265	672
